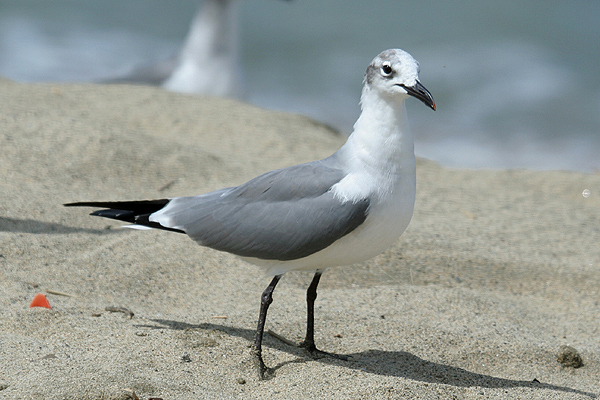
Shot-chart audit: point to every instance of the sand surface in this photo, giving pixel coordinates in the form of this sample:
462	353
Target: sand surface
496	272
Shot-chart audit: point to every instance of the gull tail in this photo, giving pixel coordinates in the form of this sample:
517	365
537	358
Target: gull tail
135	212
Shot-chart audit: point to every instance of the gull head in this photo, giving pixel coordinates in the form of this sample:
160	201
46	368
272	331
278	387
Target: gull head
394	75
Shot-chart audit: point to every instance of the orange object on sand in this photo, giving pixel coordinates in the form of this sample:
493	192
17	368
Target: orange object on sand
40	300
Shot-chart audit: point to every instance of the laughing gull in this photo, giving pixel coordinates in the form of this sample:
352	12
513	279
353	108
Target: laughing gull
344	209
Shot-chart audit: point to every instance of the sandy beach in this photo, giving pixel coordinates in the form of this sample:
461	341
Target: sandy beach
497	271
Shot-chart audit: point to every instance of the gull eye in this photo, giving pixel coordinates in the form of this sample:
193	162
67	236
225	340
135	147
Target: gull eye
386	69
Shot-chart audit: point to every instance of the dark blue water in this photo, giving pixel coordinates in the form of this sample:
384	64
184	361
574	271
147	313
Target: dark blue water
517	83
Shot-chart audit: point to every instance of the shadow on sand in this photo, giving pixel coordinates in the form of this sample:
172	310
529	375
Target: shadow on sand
15	225
400	364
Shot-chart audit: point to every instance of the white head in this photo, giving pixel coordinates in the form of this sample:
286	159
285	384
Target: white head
394	75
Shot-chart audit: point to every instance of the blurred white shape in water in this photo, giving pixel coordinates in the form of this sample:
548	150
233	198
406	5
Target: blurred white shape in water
208	62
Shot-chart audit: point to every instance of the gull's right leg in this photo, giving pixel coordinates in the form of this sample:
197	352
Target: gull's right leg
265	301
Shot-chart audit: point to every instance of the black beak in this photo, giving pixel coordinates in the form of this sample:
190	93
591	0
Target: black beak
418	91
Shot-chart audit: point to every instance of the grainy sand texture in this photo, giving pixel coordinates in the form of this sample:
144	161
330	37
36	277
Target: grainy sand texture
496	273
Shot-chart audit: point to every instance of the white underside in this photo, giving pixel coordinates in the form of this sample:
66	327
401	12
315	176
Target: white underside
383	226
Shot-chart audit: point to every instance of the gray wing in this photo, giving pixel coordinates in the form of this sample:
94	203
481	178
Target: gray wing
282	215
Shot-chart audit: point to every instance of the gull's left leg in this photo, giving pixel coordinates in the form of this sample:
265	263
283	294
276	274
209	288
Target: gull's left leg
309	340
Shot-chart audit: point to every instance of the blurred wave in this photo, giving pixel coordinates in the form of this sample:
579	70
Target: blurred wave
516	84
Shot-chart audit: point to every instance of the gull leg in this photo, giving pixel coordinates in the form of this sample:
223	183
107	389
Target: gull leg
265	301
309	340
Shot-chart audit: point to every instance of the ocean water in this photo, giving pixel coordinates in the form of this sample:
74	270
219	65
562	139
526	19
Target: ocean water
517	83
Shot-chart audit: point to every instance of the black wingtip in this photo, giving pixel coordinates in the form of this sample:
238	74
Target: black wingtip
135	212
121	215
139	206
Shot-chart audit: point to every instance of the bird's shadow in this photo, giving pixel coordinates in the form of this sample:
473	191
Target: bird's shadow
15	225
400	364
